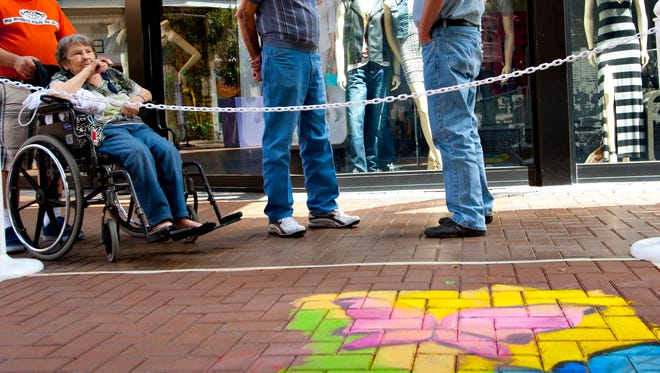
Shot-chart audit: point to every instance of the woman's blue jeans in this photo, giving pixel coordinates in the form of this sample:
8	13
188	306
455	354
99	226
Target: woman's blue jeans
454	57
292	78
155	168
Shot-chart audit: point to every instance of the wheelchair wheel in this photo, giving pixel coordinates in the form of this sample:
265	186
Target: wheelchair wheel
44	180
110	236
192	214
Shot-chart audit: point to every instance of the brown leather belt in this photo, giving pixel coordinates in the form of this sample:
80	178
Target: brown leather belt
453	22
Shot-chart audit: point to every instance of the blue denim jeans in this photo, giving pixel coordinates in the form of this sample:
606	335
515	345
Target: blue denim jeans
293	78
155	168
370	144
454	57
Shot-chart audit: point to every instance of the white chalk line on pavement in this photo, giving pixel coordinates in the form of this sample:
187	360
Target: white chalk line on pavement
338	265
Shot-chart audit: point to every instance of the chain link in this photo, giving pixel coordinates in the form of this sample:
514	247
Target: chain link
337	105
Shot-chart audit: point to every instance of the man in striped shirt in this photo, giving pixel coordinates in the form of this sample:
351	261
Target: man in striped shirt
281	37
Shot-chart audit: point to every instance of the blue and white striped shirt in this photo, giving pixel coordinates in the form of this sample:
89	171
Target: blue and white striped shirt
288	23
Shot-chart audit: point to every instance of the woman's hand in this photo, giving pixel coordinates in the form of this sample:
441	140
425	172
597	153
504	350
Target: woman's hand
95	67
128	109
108	62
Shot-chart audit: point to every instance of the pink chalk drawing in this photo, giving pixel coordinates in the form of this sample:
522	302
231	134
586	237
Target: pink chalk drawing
482	331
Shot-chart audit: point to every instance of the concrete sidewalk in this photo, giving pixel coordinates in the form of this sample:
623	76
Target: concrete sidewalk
551	287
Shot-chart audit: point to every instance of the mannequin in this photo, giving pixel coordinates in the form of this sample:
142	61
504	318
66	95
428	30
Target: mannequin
625	63
336	117
123	56
402	36
113	28
327	24
117	31
497	54
174	78
364	71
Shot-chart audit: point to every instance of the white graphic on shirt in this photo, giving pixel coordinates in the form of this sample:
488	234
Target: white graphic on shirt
33	17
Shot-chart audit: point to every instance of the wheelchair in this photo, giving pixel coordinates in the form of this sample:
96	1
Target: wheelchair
57	172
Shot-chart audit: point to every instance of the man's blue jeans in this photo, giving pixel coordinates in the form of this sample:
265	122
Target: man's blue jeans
155	168
370	144
454	57
293	78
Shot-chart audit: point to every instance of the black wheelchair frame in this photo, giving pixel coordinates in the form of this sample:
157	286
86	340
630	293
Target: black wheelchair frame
57	172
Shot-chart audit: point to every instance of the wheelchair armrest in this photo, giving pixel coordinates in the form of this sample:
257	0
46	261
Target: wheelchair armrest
174	139
53	104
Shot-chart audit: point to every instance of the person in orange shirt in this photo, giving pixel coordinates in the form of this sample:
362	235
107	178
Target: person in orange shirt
29	32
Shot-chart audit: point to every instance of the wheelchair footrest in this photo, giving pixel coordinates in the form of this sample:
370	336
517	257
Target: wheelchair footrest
229	219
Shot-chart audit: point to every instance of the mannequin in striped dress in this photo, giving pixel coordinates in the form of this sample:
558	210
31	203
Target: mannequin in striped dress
615	23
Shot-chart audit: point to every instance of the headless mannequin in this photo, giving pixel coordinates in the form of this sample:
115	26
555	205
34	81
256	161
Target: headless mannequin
612	123
365	137
336	117
339	49
642	26
113	28
169	36
416	87
123	56
119	30
497	55
175	120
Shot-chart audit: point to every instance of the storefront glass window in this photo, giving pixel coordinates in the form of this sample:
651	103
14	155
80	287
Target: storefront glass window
205	65
503	107
401	130
615	93
208	67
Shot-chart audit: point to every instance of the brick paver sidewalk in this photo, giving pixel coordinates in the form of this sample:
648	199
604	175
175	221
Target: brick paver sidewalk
551	287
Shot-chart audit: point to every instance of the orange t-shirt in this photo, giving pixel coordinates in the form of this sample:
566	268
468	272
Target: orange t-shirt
32	28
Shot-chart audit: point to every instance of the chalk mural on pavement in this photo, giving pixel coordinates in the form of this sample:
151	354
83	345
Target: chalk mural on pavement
501	328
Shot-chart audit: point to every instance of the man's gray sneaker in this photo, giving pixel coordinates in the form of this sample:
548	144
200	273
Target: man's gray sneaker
333	219
286	227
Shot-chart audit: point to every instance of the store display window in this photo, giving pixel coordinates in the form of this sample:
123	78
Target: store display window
615	92
204	64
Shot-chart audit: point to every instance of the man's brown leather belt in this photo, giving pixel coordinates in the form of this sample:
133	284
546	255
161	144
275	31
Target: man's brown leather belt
453	22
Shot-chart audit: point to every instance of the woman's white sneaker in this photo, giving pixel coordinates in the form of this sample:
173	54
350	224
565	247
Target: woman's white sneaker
333	219
286	227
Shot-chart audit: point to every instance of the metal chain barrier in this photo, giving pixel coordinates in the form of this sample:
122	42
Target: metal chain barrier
402	97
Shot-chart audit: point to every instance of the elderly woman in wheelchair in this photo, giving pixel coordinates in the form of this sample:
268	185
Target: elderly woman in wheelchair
153	163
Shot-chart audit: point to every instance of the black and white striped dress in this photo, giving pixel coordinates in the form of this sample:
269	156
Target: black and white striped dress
615	23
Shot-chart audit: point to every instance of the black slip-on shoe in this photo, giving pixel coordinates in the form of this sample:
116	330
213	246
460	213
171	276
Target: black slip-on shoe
450	229
442	220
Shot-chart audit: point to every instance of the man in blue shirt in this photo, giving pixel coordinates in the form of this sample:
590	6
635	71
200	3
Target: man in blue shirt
449	31
281	37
